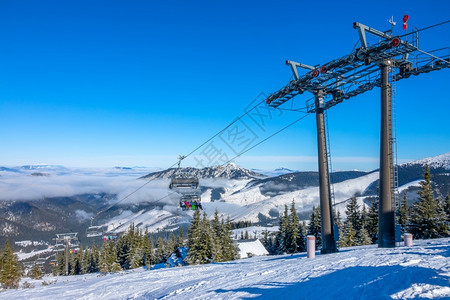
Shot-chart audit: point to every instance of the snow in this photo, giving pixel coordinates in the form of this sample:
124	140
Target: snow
440	161
254	230
249	248
252	202
408	185
366	272
23	256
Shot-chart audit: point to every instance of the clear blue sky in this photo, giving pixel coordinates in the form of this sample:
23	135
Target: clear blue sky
128	83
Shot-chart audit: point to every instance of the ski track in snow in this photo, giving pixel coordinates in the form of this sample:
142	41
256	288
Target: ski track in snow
367	272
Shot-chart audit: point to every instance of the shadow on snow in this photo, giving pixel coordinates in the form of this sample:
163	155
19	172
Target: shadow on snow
351	283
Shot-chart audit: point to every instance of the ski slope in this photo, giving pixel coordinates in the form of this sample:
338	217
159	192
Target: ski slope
367	272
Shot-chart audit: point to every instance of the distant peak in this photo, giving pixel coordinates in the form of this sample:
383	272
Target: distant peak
439	161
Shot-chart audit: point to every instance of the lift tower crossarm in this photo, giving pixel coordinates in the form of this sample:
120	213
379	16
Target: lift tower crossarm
362	33
294	66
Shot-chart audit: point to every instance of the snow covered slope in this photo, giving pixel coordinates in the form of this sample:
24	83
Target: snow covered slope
368	272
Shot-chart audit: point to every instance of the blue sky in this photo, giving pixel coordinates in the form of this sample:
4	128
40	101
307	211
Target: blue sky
136	83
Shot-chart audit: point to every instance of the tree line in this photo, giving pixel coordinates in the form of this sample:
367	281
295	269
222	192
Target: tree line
207	241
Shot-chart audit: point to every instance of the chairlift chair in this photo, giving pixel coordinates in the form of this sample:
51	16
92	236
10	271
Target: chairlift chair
190	202
110	236
94	231
183	180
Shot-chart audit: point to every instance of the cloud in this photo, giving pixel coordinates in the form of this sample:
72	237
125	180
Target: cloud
82	215
25	187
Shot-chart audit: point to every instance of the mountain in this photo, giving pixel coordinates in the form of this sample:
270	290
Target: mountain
440	162
412	171
275	172
66	200
229	171
42	219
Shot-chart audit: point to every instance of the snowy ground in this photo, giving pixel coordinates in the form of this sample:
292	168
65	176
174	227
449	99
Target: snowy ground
422	271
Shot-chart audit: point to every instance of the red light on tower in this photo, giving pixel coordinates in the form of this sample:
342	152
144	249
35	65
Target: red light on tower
315	73
405	20
323	69
268	101
395	42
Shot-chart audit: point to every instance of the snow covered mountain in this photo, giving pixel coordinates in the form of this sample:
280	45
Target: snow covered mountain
64	199
365	272
436	162
229	171
276	172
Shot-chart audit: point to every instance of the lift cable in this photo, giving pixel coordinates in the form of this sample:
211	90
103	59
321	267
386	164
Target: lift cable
422	29
225	128
238	155
184	156
237	119
270	136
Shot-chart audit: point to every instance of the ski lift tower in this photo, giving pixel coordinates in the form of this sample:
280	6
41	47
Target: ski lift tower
70	239
390	59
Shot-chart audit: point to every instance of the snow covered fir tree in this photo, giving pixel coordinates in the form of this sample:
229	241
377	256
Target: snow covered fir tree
428	217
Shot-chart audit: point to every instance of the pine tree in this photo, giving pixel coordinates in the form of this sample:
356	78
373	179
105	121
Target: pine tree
265	240
10	269
364	216
353	214
364	238
229	249
85	261
207	242
172	244
217	237
108	258
447	207
301	239
403	213
76	262
194	239
246	237
124	247
292	231
136	258
36	272
160	252
349	236
136	249
428	218
60	264
282	234
148	249
94	259
372	221
314	227
340	226
180	241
